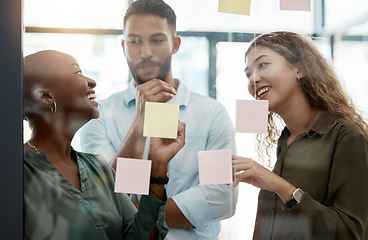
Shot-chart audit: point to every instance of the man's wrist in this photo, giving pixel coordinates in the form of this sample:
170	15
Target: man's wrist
158	169
138	127
159	181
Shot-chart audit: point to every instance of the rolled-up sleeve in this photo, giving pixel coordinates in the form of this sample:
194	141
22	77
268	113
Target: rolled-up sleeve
207	203
203	204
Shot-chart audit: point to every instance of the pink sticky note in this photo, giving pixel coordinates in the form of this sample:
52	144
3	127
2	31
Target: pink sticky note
132	176
251	116
296	5
215	167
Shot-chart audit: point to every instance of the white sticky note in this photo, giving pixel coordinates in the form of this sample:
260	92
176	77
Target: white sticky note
251	116
215	167
133	176
161	120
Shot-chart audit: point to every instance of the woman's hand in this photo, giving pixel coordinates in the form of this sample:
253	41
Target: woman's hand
249	171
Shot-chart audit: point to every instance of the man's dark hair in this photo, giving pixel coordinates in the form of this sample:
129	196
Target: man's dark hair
155	7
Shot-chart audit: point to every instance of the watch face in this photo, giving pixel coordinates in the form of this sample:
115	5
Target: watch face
298	195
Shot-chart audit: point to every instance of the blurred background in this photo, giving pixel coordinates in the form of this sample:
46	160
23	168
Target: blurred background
211	57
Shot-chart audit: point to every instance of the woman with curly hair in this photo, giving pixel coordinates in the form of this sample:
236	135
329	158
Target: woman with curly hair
318	186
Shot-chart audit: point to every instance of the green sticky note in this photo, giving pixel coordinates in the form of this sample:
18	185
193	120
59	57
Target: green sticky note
234	6
161	120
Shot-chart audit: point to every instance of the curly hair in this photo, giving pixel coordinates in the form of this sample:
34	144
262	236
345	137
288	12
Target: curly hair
320	84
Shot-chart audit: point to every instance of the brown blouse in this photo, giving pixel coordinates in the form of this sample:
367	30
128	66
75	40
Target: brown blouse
330	164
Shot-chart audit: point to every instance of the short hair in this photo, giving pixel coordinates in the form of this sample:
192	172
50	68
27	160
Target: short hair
155	7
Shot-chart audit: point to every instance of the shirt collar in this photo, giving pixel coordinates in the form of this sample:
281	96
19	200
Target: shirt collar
321	126
181	98
323	123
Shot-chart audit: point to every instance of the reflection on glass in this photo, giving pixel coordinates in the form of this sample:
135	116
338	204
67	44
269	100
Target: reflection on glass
102	58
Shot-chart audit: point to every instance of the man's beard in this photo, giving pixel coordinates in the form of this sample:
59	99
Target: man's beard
164	70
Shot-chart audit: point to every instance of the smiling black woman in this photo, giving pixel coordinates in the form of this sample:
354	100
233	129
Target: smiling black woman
70	194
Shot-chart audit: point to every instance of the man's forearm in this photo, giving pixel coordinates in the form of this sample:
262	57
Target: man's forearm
174	217
132	146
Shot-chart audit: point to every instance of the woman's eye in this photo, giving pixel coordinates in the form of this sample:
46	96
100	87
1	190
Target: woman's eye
79	72
261	65
248	75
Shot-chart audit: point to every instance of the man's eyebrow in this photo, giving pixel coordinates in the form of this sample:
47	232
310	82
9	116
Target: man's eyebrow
153	35
256	60
133	35
158	35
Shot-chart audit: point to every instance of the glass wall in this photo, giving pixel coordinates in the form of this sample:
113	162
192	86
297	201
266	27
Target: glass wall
202	53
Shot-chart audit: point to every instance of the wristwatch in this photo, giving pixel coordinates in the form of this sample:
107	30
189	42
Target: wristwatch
159	181
296	197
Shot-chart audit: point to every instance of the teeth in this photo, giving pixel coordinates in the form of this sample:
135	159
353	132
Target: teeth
263	90
91	96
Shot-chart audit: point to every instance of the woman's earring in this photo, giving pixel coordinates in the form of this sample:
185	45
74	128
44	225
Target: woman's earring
53	109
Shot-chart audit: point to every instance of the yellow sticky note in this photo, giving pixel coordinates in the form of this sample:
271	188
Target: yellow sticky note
161	120
234	6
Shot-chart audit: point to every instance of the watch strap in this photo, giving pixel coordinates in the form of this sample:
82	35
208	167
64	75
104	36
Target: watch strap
291	203
154	180
295	199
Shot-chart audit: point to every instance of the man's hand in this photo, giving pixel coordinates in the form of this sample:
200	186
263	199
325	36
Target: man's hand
154	90
134	143
161	151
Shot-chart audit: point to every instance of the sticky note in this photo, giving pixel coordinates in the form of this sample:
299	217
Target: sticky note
133	176
161	120
251	116
234	6
296	5
215	167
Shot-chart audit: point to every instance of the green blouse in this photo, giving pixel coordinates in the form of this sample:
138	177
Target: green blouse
55	209
330	163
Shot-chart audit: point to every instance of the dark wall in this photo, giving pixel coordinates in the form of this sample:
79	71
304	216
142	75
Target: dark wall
11	127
